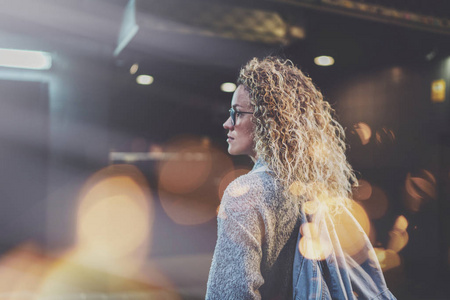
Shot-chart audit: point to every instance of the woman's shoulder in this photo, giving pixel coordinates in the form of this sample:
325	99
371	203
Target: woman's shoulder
252	190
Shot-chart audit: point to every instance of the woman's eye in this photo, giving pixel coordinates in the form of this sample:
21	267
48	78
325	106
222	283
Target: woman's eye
238	114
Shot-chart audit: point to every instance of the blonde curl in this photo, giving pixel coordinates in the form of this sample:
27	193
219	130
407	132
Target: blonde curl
296	134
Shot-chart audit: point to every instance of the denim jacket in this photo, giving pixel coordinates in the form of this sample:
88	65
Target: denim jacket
339	276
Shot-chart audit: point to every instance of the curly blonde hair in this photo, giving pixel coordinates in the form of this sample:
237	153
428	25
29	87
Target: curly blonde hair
296	134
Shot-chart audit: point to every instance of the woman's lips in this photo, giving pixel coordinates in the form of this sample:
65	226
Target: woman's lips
229	139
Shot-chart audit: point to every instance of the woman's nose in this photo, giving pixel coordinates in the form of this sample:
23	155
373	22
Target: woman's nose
228	125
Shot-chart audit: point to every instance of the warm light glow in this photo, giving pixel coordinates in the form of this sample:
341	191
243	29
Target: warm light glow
384	136
25	59
188	171
438	90
351	238
361	216
377	205
420	188
320	152
134	68
189	209
144	79
221	212
229	177
324	60
188	182
388	259
113	225
397	74
364	132
297	188
238	190
113	218
297	32
311	207
363	191
401	224
311	245
397	240
228	87
73	277
22	269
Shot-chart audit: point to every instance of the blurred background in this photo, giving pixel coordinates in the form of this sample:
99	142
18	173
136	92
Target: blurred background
113	156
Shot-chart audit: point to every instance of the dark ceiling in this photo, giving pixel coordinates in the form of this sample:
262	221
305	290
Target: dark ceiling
200	45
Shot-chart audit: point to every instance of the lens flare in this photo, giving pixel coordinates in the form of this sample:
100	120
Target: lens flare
144	79
397	240
384	136
311	207
113	226
188	184
364	132
238	189
297	188
363	191
388	259
229	177
377	205
420	188
351	238
22	269
324	60
114	222
134	68
401	223
320	152
189	170
188	209
114	216
312	245
398	237
228	87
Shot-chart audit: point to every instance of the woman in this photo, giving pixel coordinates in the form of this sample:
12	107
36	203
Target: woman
281	121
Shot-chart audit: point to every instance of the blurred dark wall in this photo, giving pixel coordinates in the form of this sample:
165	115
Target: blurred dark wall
24	136
409	134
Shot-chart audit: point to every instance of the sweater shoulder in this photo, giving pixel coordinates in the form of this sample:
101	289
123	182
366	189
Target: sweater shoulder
252	190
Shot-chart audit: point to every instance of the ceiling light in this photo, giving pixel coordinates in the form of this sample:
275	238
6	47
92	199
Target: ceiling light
25	59
144	79
134	68
324	60
228	87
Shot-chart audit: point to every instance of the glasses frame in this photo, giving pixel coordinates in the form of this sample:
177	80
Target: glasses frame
233	113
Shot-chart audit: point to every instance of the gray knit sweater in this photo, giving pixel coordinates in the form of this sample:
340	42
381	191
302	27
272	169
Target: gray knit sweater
256	243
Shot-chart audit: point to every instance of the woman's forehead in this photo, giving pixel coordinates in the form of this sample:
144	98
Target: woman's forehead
241	98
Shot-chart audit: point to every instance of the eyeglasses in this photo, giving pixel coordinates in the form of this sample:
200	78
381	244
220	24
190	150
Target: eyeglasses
234	112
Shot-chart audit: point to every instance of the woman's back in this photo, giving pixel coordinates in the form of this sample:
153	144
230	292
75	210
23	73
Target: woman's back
257	235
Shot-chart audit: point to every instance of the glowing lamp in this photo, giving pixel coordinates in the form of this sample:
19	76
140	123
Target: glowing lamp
144	79
228	87
25	59
324	60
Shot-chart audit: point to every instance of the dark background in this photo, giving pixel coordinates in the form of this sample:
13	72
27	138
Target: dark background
58	127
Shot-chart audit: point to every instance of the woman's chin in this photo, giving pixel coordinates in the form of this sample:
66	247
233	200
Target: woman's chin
232	151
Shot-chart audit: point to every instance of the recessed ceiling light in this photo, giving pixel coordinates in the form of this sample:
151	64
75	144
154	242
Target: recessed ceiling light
144	79
134	68
228	87
324	60
25	59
